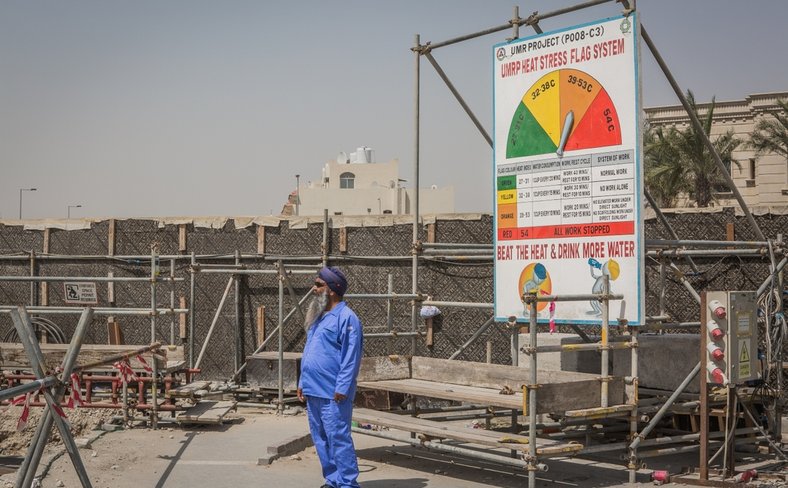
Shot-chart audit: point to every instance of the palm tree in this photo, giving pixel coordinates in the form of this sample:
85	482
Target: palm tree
679	161
771	134
663	167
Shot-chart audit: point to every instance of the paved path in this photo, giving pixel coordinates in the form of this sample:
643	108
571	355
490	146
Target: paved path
226	456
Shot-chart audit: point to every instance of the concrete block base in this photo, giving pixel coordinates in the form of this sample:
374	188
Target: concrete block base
287	447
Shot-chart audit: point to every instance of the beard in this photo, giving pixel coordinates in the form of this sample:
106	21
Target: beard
315	308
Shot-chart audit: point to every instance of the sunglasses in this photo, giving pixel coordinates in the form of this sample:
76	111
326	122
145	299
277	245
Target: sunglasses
320	285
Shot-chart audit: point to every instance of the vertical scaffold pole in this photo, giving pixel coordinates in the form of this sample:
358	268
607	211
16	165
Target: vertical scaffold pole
192	310
532	396
281	280
605	343
633	400
153	274
415	208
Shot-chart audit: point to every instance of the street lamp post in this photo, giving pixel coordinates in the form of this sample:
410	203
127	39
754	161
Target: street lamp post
298	194
68	214
20	199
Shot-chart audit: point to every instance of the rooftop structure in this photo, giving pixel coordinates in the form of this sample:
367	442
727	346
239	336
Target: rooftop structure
357	185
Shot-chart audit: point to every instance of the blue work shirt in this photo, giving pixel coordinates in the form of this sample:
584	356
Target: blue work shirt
332	354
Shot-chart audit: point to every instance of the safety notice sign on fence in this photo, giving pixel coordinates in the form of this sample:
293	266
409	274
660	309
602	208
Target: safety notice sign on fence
567	171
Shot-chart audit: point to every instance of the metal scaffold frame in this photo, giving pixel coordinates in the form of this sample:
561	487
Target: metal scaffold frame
661	250
664	252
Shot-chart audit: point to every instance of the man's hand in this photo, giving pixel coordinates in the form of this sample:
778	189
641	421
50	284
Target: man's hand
300	395
339	397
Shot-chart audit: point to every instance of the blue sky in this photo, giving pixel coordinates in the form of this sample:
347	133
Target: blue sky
191	107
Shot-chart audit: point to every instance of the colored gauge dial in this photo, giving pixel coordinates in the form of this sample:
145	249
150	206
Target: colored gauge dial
565	110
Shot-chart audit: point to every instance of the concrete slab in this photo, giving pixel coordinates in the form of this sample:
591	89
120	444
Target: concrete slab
663	361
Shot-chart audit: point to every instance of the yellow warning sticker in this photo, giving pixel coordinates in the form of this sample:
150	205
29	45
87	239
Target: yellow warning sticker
744	360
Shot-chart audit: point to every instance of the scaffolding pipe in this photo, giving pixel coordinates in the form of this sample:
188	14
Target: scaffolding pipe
531	410
663	243
192	308
416	148
389	309
272	334
28	387
172	301
394	333
481	330
699	129
455	245
605	375
634	400
21	321
154	273
280	337
96	279
532	21
707	252
659	441
662	411
436	303
767	283
453	90
238	332
438	446
387	296
96	311
214	321
253	271
665	223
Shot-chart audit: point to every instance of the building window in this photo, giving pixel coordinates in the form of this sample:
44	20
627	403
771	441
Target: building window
346	180
752	168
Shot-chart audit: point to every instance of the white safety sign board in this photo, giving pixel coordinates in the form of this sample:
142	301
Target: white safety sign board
568	179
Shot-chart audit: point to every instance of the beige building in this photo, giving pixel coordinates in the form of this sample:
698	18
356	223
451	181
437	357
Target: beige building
762	181
355	185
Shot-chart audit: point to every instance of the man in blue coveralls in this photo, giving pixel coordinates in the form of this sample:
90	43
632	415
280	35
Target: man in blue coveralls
329	367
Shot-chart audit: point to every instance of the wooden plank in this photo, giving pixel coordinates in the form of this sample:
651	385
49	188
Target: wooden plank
12	355
550	397
182	319
182	239
260	325
260	239
384	368
43	287
111	238
188	390
487	375
206	412
447	391
343	239
114	333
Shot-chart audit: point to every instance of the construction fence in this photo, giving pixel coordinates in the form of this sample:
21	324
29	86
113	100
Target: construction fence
377	259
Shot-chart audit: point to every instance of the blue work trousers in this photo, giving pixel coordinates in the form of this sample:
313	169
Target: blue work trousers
329	423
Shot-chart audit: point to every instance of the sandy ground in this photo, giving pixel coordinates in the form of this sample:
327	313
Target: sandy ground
227	455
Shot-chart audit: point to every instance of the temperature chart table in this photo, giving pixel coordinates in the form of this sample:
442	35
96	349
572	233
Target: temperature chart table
579	196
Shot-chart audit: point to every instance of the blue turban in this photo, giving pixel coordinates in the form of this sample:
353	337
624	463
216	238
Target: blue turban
335	279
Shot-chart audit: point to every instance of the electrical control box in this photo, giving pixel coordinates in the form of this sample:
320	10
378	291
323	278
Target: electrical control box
731	337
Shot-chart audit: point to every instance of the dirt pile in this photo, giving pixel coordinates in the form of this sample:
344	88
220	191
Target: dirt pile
13	443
